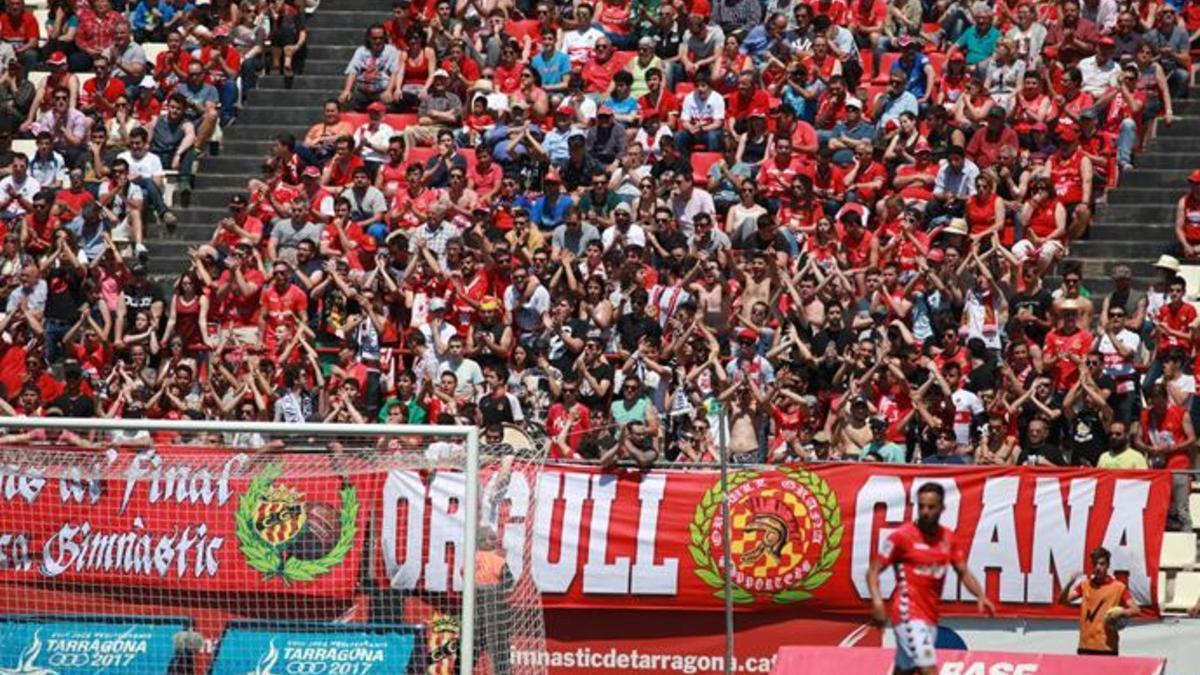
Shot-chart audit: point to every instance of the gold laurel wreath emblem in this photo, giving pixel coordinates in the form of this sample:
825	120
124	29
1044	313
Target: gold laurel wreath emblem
831	549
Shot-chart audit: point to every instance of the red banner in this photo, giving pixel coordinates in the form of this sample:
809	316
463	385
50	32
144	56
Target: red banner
802	537
183	519
823	660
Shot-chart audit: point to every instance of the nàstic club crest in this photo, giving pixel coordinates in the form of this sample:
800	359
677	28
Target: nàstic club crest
282	535
785	535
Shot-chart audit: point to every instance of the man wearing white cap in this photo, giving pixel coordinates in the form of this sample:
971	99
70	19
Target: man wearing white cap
439	109
847	133
624	232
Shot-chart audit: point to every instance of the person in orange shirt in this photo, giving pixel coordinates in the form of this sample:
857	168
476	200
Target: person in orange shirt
1106	604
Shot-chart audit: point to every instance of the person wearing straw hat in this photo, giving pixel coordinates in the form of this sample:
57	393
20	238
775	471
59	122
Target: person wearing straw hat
1187	219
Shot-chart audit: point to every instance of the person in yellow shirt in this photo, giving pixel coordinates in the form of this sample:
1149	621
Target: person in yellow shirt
1120	454
1105	605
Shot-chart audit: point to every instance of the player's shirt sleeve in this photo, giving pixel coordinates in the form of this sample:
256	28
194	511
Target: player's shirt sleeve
889	549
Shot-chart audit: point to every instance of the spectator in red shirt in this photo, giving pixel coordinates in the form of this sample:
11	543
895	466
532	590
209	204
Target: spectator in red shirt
19	28
284	307
984	146
237	294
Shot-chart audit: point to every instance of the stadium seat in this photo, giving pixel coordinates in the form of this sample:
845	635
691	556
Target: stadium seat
36	77
938	61
153	49
354	119
41	15
1162	588
1194	507
419	155
1191	274
519	30
885	67
623	57
469	155
1186	593
399	121
26	146
701	163
1178	550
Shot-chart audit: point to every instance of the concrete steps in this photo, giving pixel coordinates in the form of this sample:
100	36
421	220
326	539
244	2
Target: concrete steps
335	32
1137	224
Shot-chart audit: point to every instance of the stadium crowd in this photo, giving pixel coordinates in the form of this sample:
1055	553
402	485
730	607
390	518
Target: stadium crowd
843	229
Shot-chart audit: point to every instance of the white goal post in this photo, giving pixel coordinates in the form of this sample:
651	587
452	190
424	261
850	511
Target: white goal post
317	435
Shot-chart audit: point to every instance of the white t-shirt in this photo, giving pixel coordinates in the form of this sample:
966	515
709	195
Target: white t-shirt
121	206
378	137
148	166
635	235
527	315
467	371
1116	366
9	188
966	406
685	212
579	45
706	111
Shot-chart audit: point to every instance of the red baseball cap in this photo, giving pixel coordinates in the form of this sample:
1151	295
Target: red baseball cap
1194	177
57	59
1068	134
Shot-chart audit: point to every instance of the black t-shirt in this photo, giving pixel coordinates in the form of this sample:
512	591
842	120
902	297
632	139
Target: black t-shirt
840	338
754	242
63	296
139	298
631	328
1049	452
75	406
600	372
497	409
1038	304
597	444
1087	438
558	353
671	239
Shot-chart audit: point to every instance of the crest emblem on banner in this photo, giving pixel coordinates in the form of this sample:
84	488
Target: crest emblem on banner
785	535
282	535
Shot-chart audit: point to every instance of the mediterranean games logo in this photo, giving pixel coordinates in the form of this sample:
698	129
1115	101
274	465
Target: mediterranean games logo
785	535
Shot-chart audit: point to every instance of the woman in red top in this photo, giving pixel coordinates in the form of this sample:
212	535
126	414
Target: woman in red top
972	107
1044	219
415	74
822	247
953	83
731	62
1032	105
189	316
1187	218
798	210
508	71
616	20
985	209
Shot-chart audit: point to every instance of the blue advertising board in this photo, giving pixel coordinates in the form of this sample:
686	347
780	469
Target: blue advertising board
91	646
252	648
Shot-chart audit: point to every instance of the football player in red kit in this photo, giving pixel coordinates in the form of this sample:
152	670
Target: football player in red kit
920	553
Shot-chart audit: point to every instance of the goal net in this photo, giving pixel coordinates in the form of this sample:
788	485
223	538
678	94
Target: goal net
178	548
